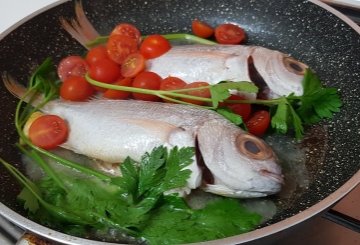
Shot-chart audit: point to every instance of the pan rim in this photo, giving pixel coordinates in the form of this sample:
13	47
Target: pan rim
250	236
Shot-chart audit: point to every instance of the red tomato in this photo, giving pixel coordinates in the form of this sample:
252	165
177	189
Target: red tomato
154	46
147	80
205	93
258	123
95	54
126	29
76	89
119	47
201	29
244	110
106	71
229	34
48	131
118	94
72	66
133	65
172	83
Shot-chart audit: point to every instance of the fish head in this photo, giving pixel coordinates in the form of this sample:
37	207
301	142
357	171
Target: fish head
236	163
276	73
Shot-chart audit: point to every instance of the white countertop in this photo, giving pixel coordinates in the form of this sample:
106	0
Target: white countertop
14	12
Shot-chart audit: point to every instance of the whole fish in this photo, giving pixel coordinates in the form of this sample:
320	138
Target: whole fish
236	163
275	73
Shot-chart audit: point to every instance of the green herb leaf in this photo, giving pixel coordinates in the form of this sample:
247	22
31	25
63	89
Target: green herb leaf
129	180
279	120
174	223
319	104
176	176
231	116
150	174
31	203
221	91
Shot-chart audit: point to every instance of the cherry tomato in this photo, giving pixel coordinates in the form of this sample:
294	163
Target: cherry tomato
119	94
172	83
76	88
258	123
244	110
105	70
72	66
127	29
48	131
205	93
133	65
95	54
154	46
119	47
201	29
229	34
147	80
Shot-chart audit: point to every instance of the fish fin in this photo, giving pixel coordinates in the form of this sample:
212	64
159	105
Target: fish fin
80	28
161	129
20	91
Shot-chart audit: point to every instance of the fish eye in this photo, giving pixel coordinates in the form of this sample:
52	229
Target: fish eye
253	147
294	66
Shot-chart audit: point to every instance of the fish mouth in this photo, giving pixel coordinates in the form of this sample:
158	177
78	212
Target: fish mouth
278	178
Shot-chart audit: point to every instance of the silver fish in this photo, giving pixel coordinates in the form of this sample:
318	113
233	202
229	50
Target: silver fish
239	164
276	73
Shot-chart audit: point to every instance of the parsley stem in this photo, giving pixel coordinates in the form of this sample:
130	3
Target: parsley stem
170	37
159	93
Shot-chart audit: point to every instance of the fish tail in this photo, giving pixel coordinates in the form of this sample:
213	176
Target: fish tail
20	91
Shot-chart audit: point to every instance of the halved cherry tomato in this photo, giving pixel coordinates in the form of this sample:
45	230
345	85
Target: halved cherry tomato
201	29
147	80
244	110
127	29
119	94
105	70
229	34
76	88
258	123
154	46
95	54
133	65
119	47
72	66
205	93
172	83
48	131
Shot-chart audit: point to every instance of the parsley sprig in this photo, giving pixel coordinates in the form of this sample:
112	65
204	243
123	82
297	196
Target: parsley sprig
288	112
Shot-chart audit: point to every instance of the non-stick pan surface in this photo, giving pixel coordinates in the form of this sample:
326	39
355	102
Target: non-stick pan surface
302	29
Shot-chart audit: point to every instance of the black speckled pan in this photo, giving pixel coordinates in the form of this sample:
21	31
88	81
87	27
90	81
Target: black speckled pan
305	30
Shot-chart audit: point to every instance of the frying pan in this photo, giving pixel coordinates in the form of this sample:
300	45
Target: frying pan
305	30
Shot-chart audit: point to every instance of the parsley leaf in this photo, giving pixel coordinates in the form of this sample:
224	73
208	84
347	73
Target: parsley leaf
175	223
221	91
279	120
231	116
30	201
